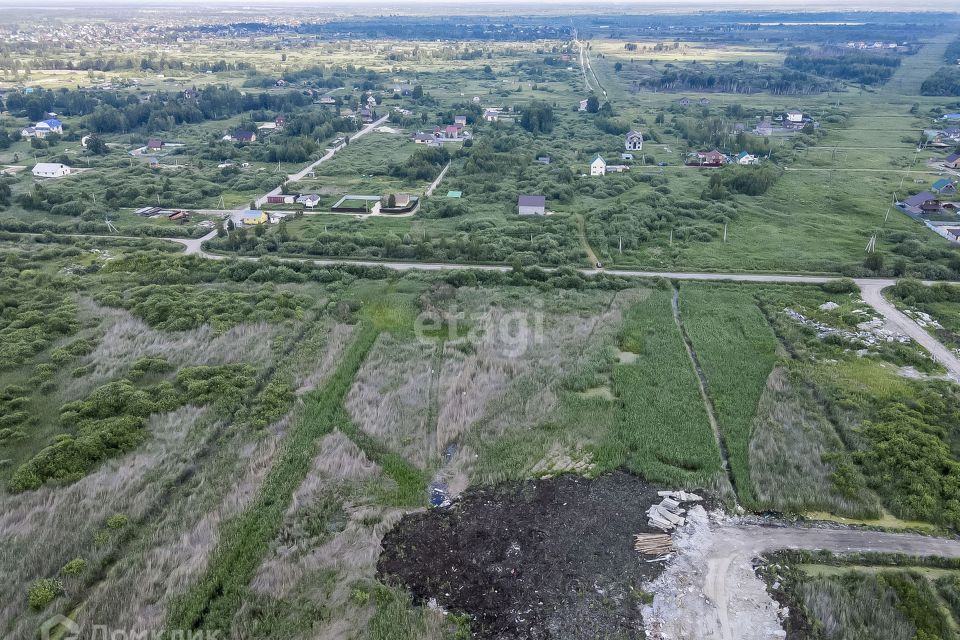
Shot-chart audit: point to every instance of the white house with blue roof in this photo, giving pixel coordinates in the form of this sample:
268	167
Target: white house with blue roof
42	129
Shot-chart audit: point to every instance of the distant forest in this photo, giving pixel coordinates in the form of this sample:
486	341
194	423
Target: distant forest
946	80
738	77
852	65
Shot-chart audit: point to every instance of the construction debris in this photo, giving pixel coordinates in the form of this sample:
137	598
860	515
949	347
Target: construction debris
667	515
680	496
661	518
869	333
653	544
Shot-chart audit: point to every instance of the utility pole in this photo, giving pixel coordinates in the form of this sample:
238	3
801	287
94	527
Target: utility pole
724	231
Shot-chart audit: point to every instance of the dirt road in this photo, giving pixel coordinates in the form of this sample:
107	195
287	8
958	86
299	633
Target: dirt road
300	175
870	287
433	185
710	591
873	295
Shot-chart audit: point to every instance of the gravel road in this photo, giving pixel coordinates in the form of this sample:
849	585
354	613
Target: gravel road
710	591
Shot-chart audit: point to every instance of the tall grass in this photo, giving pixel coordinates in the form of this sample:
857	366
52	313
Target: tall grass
737	350
213	600
661	430
790	466
858	605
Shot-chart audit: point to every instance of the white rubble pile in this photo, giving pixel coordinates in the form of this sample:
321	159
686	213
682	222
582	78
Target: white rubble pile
669	513
923	319
871	332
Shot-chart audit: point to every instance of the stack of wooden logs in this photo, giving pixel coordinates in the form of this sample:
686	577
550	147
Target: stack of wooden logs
653	544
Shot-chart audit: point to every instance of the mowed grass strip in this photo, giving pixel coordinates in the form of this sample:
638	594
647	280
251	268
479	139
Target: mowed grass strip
736	349
661	431
211	603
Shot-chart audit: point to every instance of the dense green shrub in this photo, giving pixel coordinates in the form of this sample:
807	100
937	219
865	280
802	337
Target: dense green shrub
43	591
74	567
178	307
112	420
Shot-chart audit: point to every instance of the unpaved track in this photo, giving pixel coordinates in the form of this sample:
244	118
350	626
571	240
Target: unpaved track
710	591
870	287
736	546
873	295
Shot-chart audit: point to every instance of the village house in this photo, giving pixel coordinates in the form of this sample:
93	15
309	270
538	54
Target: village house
953	235
254	217
926	204
765	128
952	161
42	129
281	199
154	144
50	170
634	141
616	168
744	158
708	159
583	105
944	186
460	121
542	160
794	116
935	138
401	200
684	102
492	115
327	100
279	121
366	116
241	135
531	205
423	138
309	200
598	166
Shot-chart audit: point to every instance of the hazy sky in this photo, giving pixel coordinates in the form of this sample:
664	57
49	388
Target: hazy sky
472	6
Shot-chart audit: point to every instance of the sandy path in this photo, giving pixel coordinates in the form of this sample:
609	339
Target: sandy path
710	591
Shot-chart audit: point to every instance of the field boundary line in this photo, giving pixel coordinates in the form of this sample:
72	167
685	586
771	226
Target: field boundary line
703	386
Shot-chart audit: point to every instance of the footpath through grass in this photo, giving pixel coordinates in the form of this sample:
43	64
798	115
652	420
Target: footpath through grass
736	349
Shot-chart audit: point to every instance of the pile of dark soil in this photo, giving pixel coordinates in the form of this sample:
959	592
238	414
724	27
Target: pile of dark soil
542	559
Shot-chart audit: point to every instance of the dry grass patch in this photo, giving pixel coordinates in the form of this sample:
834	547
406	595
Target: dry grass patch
789	454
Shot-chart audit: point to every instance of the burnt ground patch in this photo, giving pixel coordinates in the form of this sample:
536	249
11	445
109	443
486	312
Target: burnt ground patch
540	559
